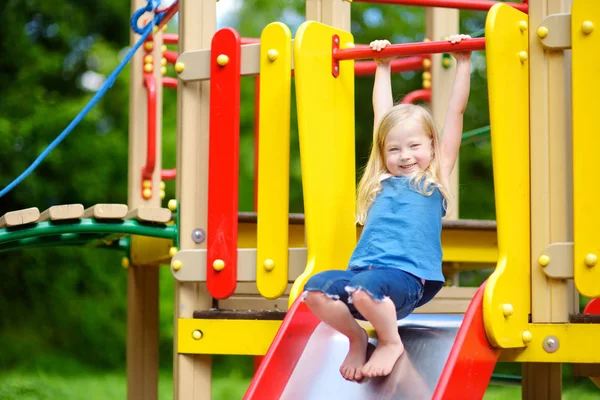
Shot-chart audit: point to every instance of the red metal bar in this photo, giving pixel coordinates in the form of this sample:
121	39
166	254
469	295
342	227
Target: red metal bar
417	95
171	11
367	68
471	360
173	38
170	38
223	163
480	5
169	82
168	174
409	49
256	133
150	85
171	56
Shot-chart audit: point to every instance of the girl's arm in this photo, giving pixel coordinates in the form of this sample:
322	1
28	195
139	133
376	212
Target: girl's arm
382	87
453	126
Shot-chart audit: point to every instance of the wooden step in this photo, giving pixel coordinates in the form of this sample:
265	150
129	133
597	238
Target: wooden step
106	211
20	217
63	212
153	215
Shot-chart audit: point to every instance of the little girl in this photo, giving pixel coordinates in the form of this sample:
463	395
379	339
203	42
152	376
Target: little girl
401	200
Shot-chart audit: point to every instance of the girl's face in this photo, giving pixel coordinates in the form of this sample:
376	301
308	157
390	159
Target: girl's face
407	148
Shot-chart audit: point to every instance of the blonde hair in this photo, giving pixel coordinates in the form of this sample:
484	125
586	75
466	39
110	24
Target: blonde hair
375	171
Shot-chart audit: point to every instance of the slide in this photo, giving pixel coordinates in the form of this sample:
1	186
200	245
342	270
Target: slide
447	357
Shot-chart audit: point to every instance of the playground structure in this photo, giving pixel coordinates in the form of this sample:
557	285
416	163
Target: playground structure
238	276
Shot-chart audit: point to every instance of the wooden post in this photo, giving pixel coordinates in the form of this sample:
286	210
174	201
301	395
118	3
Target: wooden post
197	25
440	23
551	189
142	281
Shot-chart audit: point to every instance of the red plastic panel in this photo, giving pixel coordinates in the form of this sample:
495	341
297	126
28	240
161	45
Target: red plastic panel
223	163
283	355
593	307
472	359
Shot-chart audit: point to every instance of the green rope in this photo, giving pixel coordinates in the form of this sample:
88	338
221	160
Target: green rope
476	132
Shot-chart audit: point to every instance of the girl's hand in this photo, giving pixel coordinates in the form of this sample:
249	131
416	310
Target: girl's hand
378	45
463	55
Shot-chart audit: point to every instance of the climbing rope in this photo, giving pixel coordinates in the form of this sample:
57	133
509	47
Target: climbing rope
151	6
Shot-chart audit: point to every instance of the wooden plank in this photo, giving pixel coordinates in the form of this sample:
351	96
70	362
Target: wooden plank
156	215
106	211
265	315
62	212
19	217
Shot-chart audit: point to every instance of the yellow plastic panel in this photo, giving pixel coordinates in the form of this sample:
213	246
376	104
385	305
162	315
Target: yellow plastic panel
225	336
274	160
506	304
325	107
554	343
585	42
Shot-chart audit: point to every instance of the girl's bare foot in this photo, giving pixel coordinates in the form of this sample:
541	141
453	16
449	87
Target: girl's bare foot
351	368
383	359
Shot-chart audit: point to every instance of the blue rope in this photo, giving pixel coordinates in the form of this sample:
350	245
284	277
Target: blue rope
145	32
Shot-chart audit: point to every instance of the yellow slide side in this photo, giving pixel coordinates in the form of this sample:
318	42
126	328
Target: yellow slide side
325	107
506	303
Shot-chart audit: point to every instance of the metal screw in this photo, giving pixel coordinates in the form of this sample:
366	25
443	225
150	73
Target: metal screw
551	344
198	235
336	40
336	69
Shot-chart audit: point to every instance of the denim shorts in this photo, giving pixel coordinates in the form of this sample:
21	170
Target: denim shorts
403	289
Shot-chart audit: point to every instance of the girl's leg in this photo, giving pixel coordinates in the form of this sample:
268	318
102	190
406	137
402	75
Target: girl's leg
326	297
382	296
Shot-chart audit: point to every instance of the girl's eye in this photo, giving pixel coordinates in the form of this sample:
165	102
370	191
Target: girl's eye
414	146
394	149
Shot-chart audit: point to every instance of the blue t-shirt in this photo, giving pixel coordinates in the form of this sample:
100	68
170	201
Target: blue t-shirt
403	230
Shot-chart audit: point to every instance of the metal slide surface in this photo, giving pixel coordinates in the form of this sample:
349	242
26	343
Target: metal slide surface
428	340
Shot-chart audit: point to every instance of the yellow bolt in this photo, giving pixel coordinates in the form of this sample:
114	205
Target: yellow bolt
162	194
523	56
147	184
148	59
269	265
349	45
164	28
523	26
148	67
179	67
591	260
172	205
155	29
218	265
427	39
542	32
272	54
197	335
507	310
163	48
446	62
172	251
427	63
148	46
544	260
526	337
176	265
163	61
162	185
427	76
147	193
222	60
587	27
426	84
163	70
125	262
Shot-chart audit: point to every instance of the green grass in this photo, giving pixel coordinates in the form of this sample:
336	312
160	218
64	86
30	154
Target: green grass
99	386
93	385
